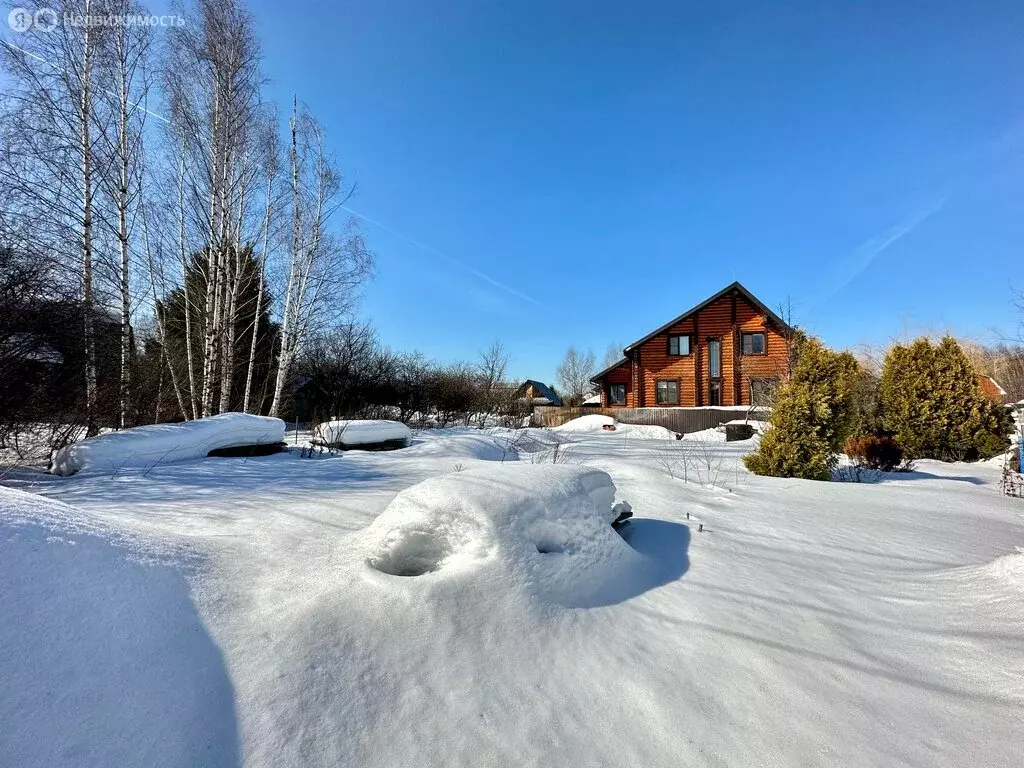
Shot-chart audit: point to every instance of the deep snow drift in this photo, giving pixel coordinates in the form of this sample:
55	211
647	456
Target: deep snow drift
872	624
546	529
595	424
355	432
104	659
165	443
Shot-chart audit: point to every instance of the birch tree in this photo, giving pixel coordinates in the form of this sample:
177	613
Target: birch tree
125	88
325	268
213	83
52	119
271	160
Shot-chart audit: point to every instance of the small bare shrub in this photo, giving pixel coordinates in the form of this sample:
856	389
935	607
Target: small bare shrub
874	452
1012	481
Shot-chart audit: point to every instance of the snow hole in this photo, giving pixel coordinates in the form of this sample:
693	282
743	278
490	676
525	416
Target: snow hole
550	547
414	553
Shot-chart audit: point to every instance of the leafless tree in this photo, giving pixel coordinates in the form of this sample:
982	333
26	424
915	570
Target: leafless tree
52	121
496	394
213	83
124	79
325	268
574	374
271	165
612	355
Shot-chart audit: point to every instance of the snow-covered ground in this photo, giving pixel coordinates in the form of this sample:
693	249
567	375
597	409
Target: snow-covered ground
227	611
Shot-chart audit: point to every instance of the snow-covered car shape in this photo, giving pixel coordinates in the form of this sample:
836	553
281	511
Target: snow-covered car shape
364	434
165	443
544	528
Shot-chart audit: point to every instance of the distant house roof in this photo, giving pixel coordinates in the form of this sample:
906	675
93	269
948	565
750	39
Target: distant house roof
991	388
542	390
756	302
28	346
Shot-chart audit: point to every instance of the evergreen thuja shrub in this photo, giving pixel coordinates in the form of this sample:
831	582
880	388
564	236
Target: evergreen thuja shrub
812	416
932	405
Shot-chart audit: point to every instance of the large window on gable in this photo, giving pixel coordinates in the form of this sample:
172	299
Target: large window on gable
678	346
616	394
667	392
754	344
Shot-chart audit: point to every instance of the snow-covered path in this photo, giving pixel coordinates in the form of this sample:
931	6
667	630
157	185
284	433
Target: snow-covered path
807	624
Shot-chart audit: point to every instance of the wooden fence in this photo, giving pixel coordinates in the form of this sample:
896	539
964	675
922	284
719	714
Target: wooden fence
676	419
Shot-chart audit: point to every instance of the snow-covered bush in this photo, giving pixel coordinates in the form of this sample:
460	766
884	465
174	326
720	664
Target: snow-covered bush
355	433
164	443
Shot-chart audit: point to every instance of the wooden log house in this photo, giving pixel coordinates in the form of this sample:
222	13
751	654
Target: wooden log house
729	350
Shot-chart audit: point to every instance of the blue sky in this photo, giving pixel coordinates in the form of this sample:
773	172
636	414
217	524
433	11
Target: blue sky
554	173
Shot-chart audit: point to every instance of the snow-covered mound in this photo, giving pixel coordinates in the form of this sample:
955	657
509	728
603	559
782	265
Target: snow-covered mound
712	435
596	423
590	423
647	431
349	433
103	660
544	528
165	443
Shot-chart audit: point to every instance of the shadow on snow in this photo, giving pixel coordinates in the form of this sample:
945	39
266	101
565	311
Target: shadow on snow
105	660
665	546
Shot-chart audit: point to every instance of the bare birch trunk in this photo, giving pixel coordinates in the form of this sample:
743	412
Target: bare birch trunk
185	288
259	292
228	356
287	322
161	327
212	304
85	115
122	237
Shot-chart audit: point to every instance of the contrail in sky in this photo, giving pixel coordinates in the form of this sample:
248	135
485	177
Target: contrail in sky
865	253
473	271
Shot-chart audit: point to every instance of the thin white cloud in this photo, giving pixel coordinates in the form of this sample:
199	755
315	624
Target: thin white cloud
451	259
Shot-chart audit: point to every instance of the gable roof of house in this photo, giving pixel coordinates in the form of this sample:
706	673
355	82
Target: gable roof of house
756	302
990	386
609	369
544	391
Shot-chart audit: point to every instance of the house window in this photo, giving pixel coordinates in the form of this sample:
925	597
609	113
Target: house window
667	392
715	392
678	346
714	358
616	394
762	391
753	344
